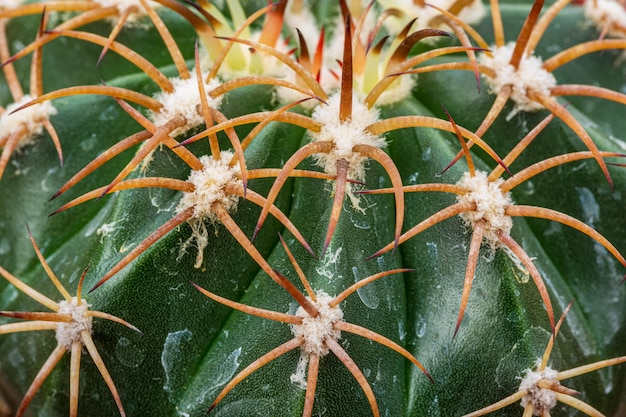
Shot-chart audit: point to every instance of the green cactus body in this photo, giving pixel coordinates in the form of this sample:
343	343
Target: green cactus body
191	346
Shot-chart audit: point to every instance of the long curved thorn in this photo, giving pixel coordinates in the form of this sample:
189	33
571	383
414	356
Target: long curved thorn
465	41
356	373
365	281
204	105
298	173
525	32
89	16
144	182
369	334
32	293
540	28
36	67
9	147
170	43
578	404
259	200
299	156
121	21
403	122
396	180
254	311
470	271
581	49
299	272
251	250
519	148
28	326
548	351
259	80
402	51
500	404
440	216
464	147
340	192
55	139
548	214
272	117
347	74
47	268
451	66
287	117
146	243
473	33
11	79
81	281
43	373
311	385
118	92
285	59
56	6
36	316
588	91
581	370
561	112
97	360
75	354
101	159
435	187
217	63
257	364
555	161
106	316
521	254
496	19
139	61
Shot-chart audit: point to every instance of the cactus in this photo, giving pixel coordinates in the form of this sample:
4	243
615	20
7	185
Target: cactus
303	225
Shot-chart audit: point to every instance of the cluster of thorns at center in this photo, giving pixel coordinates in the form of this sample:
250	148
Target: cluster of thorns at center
345	170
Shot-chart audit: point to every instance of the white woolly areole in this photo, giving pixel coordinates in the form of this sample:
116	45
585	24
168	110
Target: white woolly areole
31	118
608	14
472	13
10	4
541	398
316	330
122	5
184	101
209	184
530	75
490	204
67	333
345	135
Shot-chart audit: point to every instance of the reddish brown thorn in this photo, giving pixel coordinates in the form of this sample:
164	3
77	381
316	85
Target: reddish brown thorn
472	260
43	373
296	294
204	105
255	311
345	106
367	333
299	272
519	252
107	155
36	82
146	243
356	373
75	354
402	51
318	59
396	180
257	364
47	268
34	315
365	281
464	147
440	216
9	148
311	384
525	32
299	156
305	58
340	191
121	21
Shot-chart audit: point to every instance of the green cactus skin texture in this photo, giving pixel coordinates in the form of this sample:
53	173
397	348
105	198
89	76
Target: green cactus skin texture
317	164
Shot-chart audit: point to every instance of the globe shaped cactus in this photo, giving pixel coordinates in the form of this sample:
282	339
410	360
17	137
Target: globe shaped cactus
323	207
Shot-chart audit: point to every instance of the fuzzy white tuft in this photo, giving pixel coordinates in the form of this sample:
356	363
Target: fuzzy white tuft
490	204
209	186
10	4
530	75
316	330
607	14
471	13
541	399
184	101
31	119
345	135
67	333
